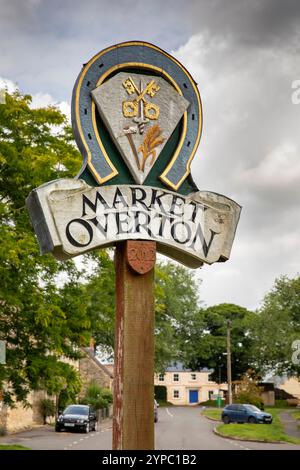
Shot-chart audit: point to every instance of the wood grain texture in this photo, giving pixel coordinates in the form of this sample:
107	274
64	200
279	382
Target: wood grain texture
133	425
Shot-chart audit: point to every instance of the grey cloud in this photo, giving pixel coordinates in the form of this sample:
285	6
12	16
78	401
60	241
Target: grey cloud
244	56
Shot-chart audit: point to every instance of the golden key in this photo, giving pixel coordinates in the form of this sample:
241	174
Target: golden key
140	106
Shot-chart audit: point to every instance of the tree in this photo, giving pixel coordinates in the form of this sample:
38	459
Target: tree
276	325
97	397
247	390
39	320
47	409
204	341
177	302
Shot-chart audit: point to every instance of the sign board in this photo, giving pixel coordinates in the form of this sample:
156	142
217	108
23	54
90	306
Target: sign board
137	119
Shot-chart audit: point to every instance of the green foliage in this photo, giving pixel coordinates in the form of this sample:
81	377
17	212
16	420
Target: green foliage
213	414
203	340
248	390
39	320
47	408
160	392
100	291
97	397
259	432
176	303
212	403
281	404
176	297
13	447
275	326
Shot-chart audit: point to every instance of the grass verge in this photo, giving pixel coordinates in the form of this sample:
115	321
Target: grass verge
214	414
12	447
296	415
259	432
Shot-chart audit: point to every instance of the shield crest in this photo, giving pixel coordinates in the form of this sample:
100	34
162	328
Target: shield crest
140	112
141	256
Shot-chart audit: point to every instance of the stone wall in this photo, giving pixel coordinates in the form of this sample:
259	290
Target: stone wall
22	417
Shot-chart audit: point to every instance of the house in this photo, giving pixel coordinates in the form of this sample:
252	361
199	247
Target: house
92	370
20	417
187	387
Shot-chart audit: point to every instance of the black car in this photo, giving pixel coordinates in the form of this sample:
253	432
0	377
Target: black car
245	414
77	417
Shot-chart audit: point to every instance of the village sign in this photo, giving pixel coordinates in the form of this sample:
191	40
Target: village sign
137	120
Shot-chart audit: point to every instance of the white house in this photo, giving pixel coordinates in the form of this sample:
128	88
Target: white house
185	386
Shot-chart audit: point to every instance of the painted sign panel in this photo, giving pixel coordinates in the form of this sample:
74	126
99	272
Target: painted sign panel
190	229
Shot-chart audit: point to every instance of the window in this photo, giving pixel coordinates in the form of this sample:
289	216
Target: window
176	393
210	394
176	377
193	376
161	377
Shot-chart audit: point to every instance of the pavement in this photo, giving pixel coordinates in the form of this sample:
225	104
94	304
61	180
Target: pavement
178	428
290	424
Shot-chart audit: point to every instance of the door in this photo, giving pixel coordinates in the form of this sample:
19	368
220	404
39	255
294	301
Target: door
243	418
193	396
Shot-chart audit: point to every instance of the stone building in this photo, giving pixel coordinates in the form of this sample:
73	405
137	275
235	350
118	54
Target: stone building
92	370
20	417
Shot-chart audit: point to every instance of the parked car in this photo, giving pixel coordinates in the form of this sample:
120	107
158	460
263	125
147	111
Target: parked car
77	417
156	405
245	414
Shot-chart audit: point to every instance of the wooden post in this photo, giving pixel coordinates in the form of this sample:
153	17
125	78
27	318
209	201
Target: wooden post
133	422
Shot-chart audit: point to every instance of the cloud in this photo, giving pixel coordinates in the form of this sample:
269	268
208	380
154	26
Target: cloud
278	171
39	100
249	151
8	85
244	56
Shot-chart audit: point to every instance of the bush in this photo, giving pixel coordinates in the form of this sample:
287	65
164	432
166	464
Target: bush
212	403
249	391
97	397
280	404
244	397
47	408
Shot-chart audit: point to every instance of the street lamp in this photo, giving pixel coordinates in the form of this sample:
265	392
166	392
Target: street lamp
229	379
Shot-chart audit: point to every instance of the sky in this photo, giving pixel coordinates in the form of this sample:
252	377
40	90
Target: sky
244	55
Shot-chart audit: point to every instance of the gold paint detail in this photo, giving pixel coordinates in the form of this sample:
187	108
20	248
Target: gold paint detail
130	108
152	139
151	111
170	79
129	86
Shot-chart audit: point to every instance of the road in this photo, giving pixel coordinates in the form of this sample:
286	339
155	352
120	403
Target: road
178	428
